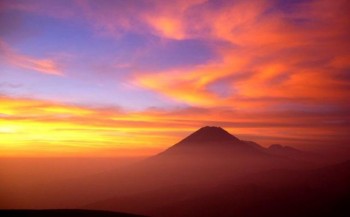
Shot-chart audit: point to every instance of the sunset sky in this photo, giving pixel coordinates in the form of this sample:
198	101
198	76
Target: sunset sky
131	78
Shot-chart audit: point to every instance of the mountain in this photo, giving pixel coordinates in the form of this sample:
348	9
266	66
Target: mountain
283	150
296	154
209	135
208	157
213	152
211	141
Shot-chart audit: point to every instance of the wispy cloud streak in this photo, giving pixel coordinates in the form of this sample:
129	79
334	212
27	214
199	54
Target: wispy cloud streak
45	66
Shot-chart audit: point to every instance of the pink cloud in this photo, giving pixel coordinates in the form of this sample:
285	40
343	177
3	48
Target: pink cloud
45	65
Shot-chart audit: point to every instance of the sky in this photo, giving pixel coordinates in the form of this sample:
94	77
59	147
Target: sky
131	78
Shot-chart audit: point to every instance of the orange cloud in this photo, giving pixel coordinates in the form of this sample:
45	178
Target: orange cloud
287	57
168	27
168	20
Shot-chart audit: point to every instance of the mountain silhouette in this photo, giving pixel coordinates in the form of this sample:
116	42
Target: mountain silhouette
283	150
213	142
209	134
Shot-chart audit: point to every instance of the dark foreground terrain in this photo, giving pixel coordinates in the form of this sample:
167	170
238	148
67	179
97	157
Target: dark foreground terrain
275	193
62	213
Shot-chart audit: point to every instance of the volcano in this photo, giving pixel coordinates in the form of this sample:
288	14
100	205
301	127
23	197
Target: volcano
207	156
209	135
212	142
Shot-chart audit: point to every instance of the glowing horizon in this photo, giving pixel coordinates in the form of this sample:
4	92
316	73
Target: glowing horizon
131	78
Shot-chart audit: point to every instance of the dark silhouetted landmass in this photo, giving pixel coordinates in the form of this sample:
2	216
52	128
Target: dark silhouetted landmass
288	193
210	141
63	213
283	150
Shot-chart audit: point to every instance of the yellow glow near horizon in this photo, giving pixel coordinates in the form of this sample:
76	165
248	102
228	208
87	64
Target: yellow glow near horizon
31	127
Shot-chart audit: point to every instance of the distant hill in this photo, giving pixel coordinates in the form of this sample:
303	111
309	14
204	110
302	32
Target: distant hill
284	150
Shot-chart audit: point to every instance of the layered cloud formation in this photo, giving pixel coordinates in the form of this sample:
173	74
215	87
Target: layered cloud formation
91	74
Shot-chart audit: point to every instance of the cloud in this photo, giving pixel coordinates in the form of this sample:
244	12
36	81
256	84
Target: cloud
293	55
45	66
169	20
